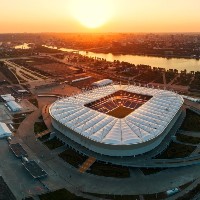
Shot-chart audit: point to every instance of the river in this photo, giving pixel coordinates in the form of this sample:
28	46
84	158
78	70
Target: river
167	63
23	46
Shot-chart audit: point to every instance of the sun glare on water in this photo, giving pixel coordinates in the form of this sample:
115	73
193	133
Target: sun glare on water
92	13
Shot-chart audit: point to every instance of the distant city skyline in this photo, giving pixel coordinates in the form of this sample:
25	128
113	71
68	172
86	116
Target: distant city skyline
100	16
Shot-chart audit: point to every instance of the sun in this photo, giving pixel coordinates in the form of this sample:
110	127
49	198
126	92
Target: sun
92	13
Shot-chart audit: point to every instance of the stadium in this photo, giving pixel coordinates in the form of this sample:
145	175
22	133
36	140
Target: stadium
117	120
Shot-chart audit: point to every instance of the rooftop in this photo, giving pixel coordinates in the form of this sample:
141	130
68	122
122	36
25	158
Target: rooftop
34	169
143	124
18	150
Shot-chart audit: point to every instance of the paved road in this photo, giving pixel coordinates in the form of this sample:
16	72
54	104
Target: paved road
145	160
15	175
185	191
62	174
190	133
19	69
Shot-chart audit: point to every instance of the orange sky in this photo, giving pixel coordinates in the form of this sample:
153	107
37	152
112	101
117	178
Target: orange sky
107	15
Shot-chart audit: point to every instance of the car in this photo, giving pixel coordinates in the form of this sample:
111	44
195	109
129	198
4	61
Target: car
24	159
172	191
9	139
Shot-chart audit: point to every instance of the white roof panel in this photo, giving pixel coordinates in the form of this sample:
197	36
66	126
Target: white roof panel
145	123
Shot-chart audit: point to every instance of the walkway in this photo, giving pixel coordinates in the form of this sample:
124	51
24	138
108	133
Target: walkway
25	73
87	164
185	191
191	133
46	117
62	174
138	161
42	133
56	179
173	80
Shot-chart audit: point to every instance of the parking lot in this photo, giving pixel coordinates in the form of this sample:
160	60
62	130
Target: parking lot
14	174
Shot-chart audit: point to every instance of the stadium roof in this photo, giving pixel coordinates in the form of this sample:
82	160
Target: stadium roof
145	123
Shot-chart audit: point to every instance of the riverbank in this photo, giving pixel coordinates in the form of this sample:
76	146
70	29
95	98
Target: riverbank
168	63
147	55
116	53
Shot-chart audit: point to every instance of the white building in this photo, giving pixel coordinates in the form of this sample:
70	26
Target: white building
137	133
4	130
14	107
7	97
81	79
10	102
103	82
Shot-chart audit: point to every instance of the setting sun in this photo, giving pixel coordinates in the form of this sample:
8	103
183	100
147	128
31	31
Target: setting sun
92	13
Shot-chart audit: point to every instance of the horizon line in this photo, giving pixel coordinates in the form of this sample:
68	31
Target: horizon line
109	32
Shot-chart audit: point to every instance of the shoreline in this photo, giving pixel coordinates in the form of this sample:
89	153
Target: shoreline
135	54
123	53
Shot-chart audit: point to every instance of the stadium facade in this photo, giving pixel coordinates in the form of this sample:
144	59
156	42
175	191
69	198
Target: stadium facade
85	118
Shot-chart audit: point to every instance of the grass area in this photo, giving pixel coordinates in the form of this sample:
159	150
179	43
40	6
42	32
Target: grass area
39	127
72	157
149	171
16	126
188	139
169	76
149	76
44	137
176	150
195	85
41	117
18	120
108	170
182	187
115	197
18	115
184	79
8	73
120	112
54	143
191	122
61	194
28	198
34	102
5	192
158	196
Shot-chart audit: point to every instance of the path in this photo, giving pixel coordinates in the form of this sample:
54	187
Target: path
87	164
22	72
62	174
46	117
191	133
174	79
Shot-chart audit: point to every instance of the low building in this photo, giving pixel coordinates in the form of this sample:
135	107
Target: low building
7	97
4	130
14	107
103	82
81	79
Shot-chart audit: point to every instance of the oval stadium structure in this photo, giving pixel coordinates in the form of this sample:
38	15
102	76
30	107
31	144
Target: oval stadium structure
117	120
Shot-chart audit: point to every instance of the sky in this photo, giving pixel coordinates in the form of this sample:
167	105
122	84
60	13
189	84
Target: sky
99	16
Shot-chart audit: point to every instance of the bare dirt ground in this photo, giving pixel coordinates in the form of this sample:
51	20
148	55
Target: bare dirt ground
57	69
